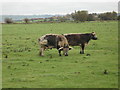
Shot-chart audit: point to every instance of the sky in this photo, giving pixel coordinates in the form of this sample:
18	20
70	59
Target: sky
40	7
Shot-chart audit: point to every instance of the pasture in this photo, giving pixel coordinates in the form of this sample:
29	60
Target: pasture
22	67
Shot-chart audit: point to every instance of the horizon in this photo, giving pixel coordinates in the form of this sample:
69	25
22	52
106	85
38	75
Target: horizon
59	14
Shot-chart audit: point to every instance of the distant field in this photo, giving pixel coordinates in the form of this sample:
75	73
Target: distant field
24	68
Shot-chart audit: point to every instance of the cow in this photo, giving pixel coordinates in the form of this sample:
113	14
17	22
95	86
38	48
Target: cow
57	41
78	39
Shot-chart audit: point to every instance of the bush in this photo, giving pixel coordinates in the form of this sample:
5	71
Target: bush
80	16
26	20
8	20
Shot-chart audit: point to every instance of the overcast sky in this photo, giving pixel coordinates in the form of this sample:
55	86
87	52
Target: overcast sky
36	7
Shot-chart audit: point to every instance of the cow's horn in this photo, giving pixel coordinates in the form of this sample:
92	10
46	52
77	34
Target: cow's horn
60	48
70	48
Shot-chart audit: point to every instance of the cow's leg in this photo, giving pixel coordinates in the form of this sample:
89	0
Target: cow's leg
59	52
82	47
41	51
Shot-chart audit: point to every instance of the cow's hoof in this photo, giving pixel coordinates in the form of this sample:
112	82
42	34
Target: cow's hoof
41	55
81	52
66	55
60	55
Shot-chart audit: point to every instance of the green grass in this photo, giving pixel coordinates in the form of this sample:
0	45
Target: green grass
24	68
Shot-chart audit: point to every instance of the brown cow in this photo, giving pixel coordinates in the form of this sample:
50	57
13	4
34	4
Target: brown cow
78	39
50	41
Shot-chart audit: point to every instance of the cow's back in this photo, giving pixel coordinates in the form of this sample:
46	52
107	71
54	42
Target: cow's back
77	39
73	39
54	40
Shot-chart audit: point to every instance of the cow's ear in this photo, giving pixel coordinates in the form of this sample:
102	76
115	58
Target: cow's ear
60	48
38	39
93	33
70	48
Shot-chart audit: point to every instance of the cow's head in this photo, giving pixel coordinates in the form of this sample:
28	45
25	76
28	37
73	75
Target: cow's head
93	36
65	50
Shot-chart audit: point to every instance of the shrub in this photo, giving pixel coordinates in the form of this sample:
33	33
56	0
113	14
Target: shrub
8	20
26	20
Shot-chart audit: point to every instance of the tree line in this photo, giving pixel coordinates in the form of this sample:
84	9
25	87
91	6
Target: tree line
84	16
77	16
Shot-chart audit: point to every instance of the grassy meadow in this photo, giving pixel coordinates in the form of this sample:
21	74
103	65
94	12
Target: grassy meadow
22	67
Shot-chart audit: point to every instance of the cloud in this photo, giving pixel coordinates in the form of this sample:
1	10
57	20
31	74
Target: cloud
20	8
59	0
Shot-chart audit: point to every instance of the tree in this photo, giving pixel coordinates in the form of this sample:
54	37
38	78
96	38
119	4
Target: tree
26	20
68	17
8	20
114	14
91	17
118	18
80	16
108	16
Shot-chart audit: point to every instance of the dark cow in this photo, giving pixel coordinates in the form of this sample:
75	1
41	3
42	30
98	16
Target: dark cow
50	41
80	39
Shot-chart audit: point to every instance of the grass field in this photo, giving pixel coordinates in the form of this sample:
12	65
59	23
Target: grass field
24	68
